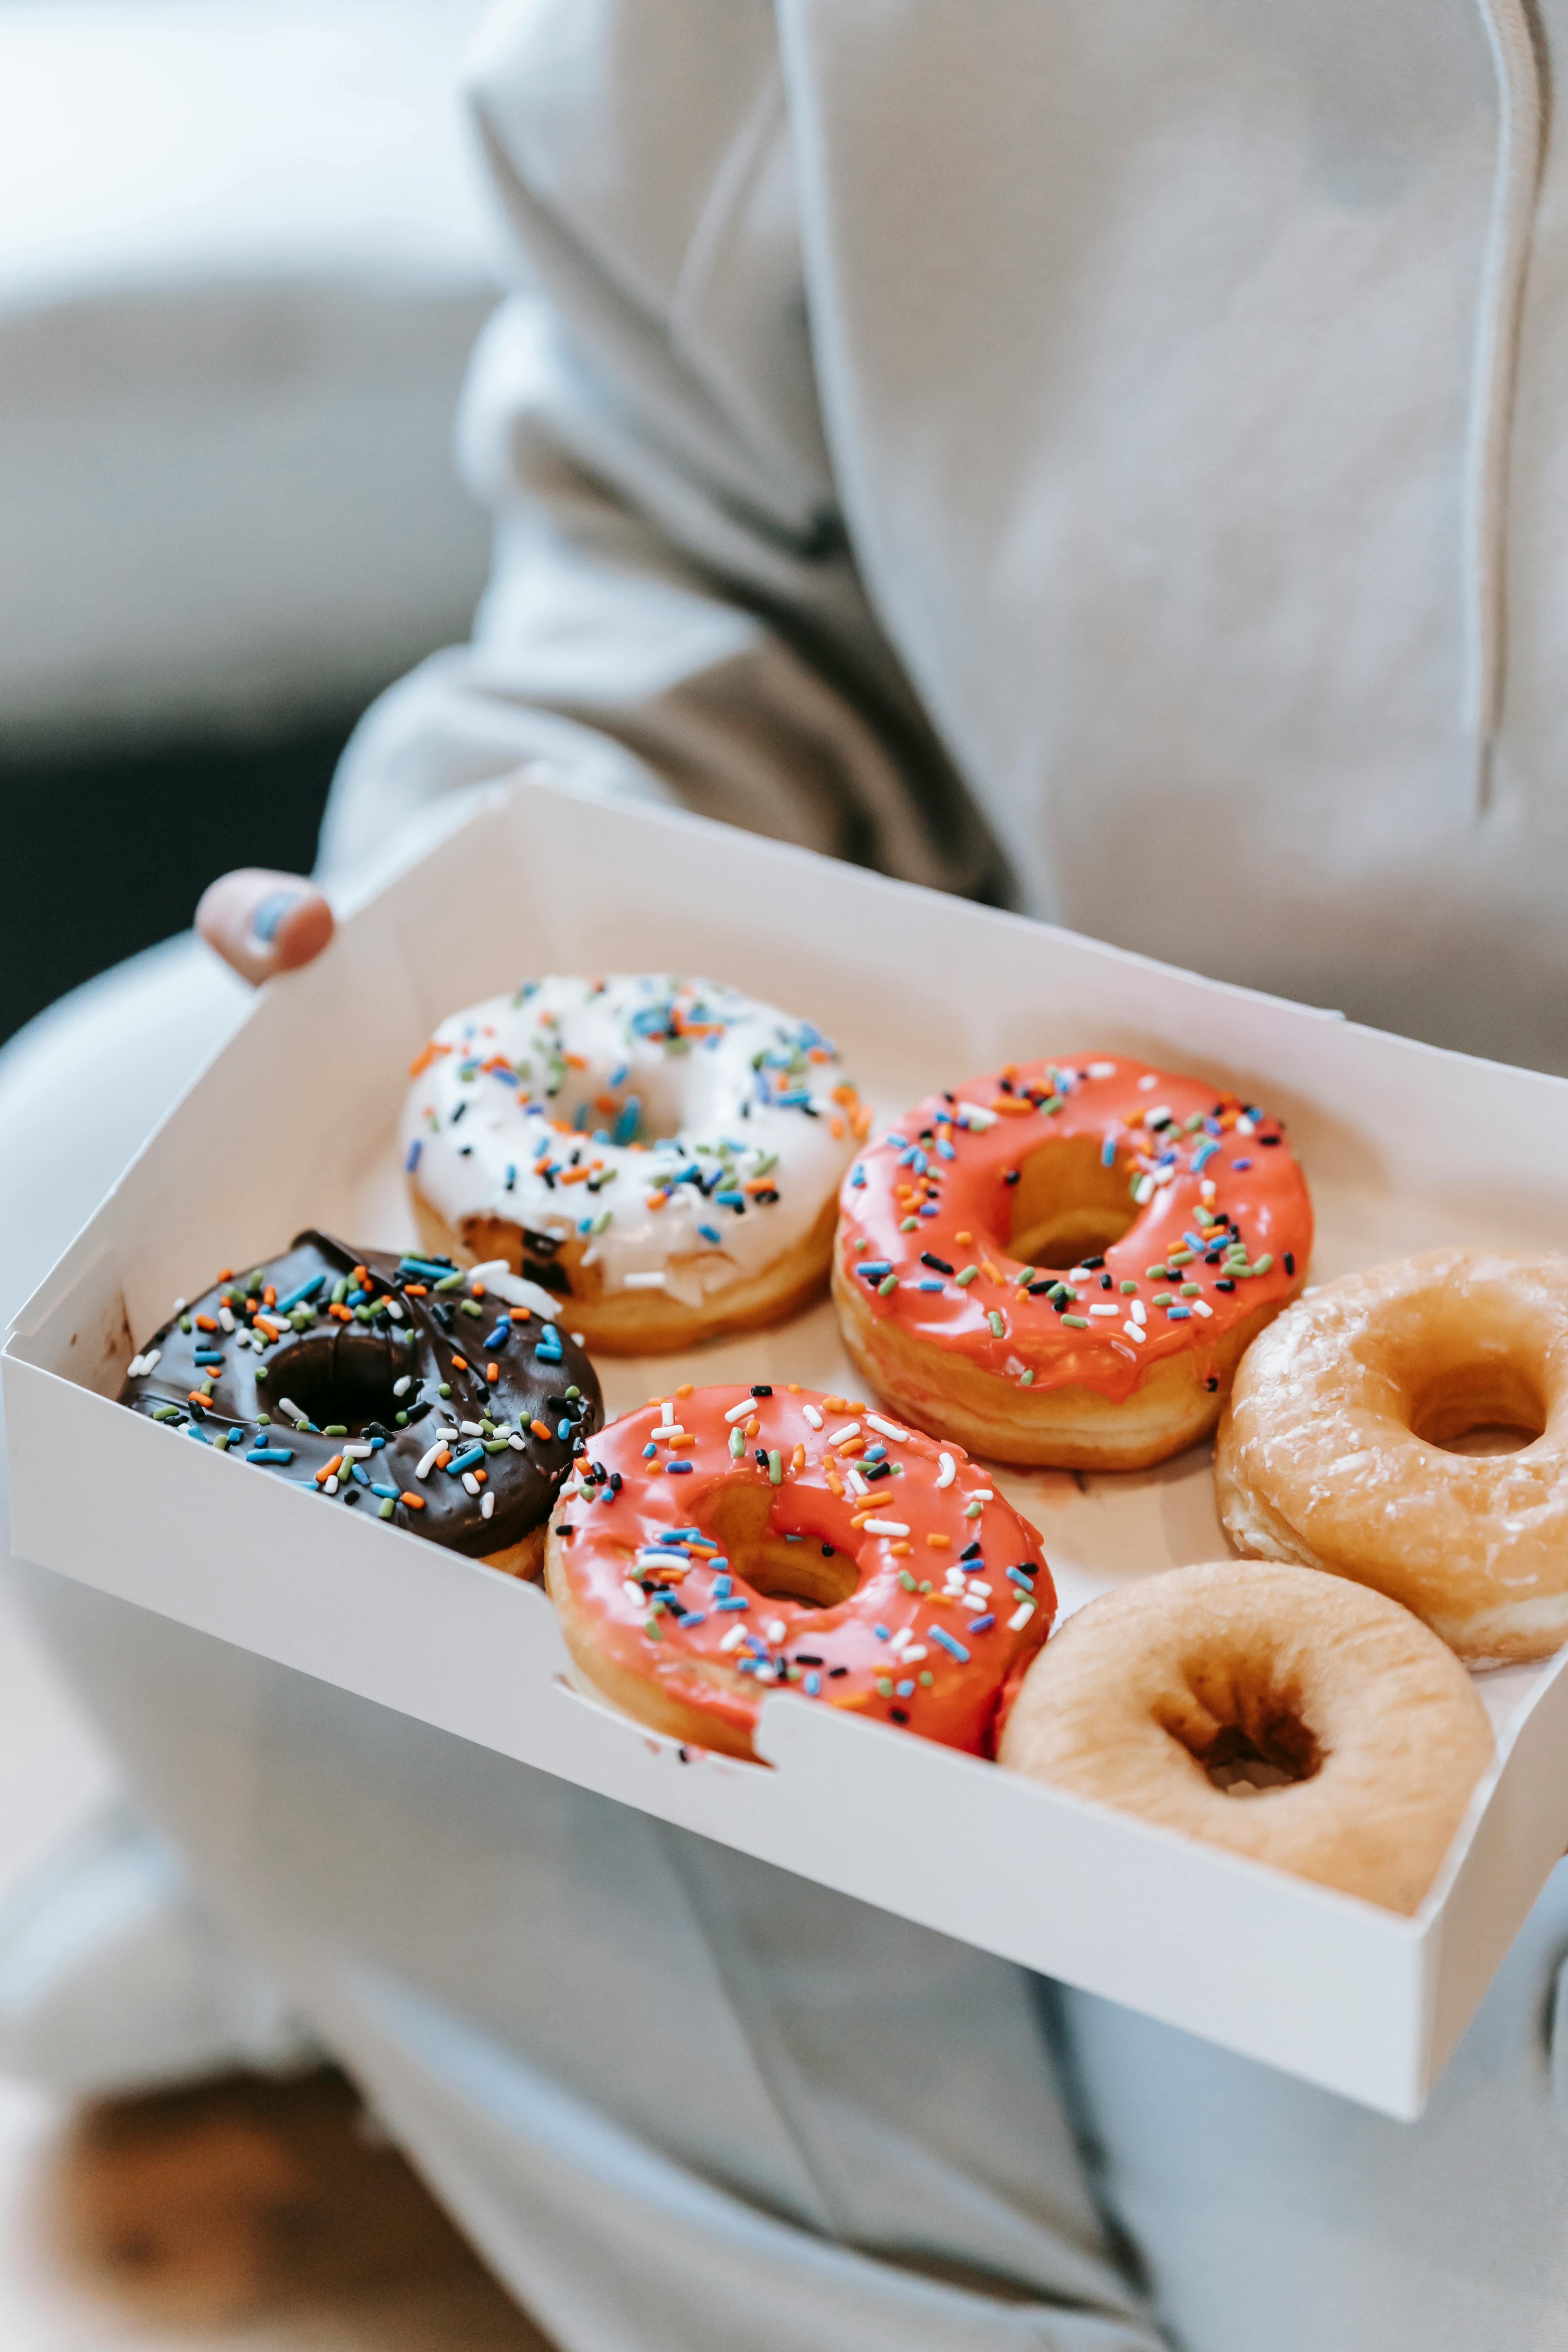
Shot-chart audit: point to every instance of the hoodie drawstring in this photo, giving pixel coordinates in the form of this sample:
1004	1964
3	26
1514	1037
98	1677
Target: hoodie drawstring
1495	366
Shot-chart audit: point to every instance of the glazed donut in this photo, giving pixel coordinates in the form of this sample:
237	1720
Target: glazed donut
1370	1732
1063	1264
725	1542
448	1403
708	1133
1332	1451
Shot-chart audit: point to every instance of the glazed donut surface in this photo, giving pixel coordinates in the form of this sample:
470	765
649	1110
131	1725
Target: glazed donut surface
342	1372
726	1541
1333	1451
664	1154
1063	1263
1370	1726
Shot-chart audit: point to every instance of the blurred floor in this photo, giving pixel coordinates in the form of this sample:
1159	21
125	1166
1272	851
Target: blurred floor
110	853
243	2214
261	2215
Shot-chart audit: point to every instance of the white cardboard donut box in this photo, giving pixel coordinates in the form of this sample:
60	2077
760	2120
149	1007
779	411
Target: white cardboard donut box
1404	1147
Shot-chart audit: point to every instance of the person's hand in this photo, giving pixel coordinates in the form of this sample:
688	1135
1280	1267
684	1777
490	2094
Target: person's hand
262	922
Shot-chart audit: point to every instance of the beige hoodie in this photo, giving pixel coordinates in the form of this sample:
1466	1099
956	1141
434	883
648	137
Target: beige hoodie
1106	457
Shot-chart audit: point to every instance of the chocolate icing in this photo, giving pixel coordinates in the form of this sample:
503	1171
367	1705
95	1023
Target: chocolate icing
341	1372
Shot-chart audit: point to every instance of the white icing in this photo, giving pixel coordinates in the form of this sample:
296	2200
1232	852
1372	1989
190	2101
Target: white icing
750	1099
516	1289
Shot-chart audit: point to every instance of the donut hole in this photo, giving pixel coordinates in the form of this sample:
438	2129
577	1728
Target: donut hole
343	1376
1066	1205
1246	1734
777	1563
1493	1407
648	1105
795	1568
1239	1767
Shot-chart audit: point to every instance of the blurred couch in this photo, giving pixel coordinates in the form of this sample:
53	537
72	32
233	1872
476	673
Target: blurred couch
242	261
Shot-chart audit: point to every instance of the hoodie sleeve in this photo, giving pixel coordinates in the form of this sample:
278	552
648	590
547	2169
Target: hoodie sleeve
673	611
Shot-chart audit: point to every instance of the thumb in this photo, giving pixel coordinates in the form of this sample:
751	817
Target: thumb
262	922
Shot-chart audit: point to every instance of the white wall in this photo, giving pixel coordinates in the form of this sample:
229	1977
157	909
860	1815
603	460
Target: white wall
242	259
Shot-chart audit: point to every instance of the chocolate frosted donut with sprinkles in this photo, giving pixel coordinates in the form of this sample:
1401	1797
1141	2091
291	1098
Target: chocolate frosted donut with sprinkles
444	1401
1063	1264
665	1154
724	1542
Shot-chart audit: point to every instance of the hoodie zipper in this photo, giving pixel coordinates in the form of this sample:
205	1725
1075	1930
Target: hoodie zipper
1494	374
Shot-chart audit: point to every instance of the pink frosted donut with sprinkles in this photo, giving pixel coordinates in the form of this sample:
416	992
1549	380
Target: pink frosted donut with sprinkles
724	1542
663	1155
1064	1263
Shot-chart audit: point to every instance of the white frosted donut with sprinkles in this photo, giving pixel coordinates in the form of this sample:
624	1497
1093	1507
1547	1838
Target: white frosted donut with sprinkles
661	1154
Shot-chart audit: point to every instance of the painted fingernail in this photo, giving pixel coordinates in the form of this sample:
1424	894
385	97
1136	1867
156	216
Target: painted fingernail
269	914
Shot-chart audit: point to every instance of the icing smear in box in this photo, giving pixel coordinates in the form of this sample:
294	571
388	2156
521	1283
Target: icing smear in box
680	1135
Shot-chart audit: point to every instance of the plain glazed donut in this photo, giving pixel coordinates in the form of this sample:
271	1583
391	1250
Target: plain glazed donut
1332	1452
1064	1263
447	1404
1371	1730
726	1541
663	1154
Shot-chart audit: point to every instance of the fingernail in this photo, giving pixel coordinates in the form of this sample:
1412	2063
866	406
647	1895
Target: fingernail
269	914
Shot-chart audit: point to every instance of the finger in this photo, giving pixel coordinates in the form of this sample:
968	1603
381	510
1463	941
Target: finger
262	922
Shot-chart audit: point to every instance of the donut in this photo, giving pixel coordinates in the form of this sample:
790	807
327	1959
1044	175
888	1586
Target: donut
1362	1736
1334	1450
722	1542
448	1403
1063	1264
708	1134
